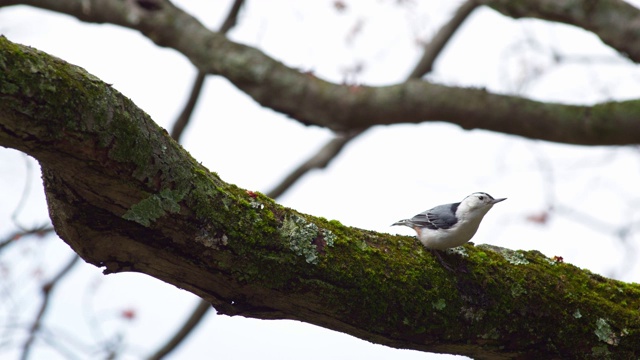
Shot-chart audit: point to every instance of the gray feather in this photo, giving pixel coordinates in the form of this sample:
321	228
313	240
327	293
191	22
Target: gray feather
440	217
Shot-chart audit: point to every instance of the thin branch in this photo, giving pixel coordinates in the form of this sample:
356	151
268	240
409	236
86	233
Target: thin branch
52	339
250	256
591	222
343	108
319	160
185	116
613	21
38	231
176	133
232	18
196	316
47	290
433	49
183	120
332	148
65	342
25	193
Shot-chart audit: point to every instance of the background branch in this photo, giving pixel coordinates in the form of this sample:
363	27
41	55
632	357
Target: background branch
201	309
185	116
320	159
152	208
433	49
38	231
333	147
181	123
47	290
613	21
343	108
132	180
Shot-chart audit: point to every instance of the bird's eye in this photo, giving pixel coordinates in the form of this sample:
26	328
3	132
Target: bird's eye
481	197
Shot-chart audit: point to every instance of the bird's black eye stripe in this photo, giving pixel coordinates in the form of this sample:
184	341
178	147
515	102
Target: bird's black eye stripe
482	195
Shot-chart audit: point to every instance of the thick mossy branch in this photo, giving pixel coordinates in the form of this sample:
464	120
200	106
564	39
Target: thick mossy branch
126	197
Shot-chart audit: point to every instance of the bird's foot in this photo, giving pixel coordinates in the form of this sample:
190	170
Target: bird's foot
444	264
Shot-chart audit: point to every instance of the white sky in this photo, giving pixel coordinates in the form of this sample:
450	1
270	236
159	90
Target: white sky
390	173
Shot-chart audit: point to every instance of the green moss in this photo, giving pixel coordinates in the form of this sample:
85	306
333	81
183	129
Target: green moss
599	115
517	290
382	284
126	134
203	196
601	352
27	67
388	279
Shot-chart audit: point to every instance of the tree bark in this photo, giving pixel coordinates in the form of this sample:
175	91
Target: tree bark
126	197
615	22
346	108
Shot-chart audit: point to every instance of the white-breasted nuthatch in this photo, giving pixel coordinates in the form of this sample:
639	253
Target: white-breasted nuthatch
451	225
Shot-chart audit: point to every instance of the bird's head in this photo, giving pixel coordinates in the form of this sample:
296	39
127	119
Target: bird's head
479	203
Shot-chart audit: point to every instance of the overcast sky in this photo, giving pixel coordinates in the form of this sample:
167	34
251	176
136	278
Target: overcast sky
390	173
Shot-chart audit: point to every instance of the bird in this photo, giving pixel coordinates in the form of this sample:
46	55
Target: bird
451	225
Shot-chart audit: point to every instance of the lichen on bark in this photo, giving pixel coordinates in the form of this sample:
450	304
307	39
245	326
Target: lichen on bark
104	158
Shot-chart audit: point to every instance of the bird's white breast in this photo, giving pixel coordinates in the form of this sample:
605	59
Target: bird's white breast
457	235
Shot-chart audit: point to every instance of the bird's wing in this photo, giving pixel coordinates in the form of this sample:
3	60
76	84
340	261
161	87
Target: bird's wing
440	217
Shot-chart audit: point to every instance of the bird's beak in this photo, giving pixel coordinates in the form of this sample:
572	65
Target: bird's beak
495	201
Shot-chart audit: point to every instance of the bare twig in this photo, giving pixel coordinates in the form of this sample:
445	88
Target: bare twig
410	102
319	160
196	316
433	49
332	148
178	128
25	193
183	120
232	17
52	338
39	231
185	116
47	290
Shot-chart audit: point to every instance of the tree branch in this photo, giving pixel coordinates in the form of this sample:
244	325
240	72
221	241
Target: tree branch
185	116
615	22
183	120
194	319
433	49
347	108
334	146
143	204
181	123
319	160
47	290
39	231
